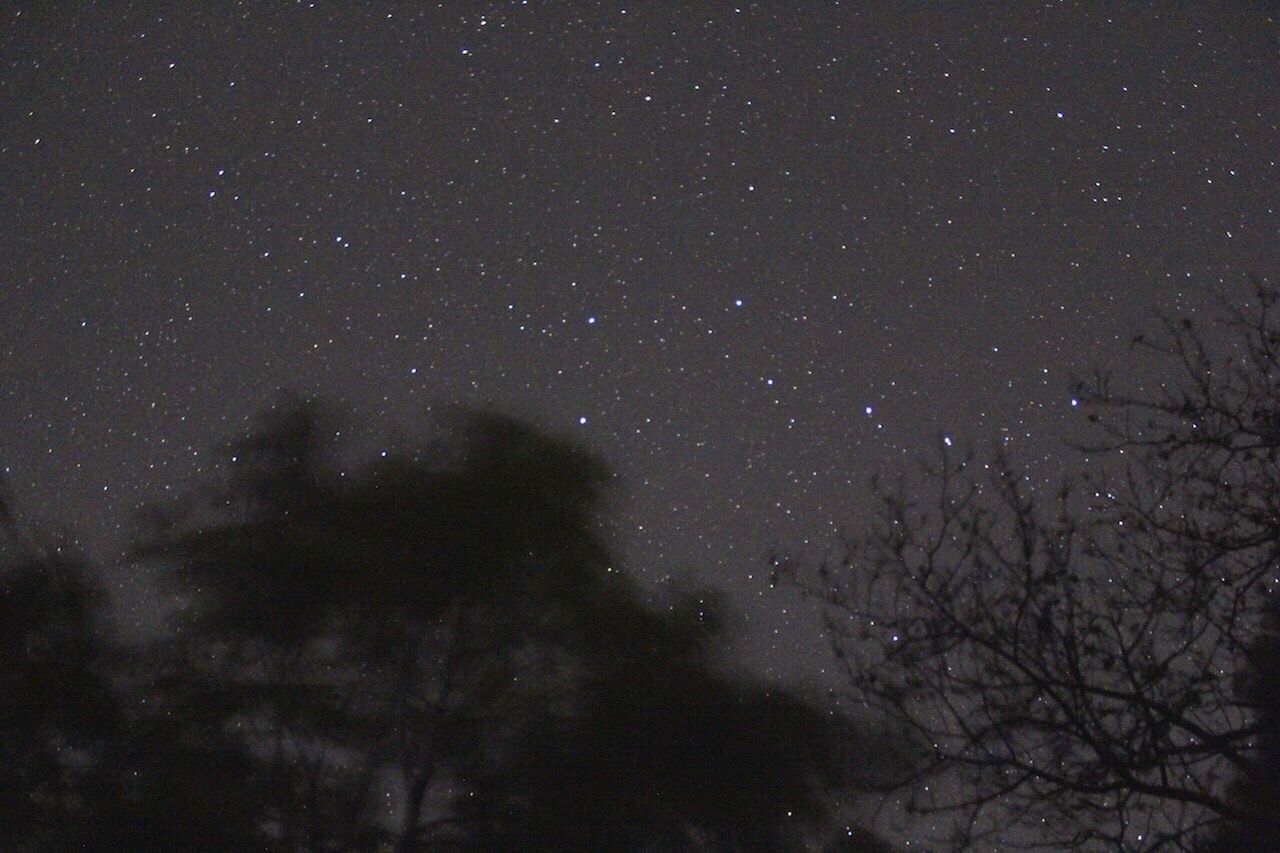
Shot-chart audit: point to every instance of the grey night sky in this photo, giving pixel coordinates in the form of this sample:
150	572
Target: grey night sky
750	254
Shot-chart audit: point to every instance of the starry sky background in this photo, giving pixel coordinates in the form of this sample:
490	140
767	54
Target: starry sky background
751	254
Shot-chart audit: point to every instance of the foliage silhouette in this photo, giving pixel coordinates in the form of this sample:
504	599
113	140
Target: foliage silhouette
436	651
81	766
645	761
56	699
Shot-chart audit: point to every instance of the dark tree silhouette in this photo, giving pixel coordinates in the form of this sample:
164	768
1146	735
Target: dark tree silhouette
1069	657
437	651
1256	790
86	761
55	702
665	753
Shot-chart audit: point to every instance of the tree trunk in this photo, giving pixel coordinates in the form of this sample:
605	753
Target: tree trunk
412	814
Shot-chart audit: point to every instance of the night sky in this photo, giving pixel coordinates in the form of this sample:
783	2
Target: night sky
749	254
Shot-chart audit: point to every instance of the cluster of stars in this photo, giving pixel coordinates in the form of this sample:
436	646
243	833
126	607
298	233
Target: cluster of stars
749	256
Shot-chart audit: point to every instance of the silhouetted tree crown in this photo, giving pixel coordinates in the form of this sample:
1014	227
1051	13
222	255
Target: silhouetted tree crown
432	651
56	703
437	650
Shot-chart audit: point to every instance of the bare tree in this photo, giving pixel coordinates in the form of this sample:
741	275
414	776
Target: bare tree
1066	659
